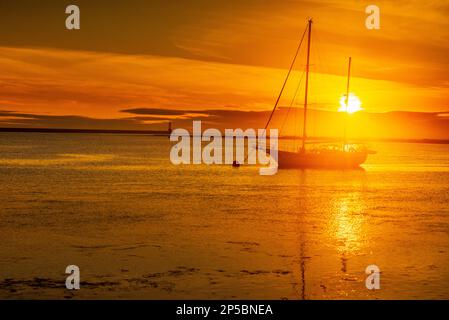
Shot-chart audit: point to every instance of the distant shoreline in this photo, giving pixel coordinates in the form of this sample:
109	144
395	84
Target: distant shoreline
167	133
47	130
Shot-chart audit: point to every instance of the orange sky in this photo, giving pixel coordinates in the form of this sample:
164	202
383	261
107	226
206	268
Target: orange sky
218	55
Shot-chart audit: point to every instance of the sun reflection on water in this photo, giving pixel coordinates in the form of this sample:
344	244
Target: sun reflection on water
348	221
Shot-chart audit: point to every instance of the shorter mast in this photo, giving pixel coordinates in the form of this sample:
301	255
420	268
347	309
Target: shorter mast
304	132
346	106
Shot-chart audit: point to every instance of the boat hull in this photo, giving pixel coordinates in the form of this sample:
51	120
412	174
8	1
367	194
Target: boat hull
323	160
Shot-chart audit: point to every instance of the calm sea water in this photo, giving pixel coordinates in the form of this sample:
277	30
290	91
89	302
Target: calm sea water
139	227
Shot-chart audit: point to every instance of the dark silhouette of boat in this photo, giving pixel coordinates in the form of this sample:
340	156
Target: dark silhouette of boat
342	156
322	158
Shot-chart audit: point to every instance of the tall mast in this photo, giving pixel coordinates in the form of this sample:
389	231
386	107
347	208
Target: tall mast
347	105
304	132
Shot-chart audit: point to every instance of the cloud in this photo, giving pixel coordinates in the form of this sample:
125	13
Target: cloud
167	113
414	34
11	119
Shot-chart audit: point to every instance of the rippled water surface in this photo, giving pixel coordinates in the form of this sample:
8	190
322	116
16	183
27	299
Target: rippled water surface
139	227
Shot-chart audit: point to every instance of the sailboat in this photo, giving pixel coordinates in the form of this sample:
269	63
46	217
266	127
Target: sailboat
344	156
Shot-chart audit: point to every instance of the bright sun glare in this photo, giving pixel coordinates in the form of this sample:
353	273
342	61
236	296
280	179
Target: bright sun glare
354	104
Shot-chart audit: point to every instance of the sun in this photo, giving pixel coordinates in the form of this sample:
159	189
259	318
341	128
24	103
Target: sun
354	104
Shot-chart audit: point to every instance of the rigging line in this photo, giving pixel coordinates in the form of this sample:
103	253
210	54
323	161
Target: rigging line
286	79
283	86
293	100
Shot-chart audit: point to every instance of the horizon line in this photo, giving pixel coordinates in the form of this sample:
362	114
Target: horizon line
166	133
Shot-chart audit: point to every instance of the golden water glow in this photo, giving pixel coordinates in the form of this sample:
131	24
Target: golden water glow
354	104
347	225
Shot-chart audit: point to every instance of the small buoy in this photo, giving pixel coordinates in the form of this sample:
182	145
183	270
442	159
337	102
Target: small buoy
236	164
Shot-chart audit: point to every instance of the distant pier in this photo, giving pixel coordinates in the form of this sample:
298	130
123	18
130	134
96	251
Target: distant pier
98	131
